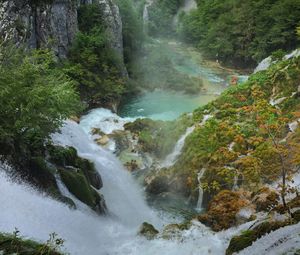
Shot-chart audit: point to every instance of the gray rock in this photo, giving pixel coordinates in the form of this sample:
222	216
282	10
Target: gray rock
47	25
53	24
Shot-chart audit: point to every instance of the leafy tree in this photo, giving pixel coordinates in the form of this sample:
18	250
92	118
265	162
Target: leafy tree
35	97
242	32
92	63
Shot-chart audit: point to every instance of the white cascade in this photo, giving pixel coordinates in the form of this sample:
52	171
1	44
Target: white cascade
200	194
172	157
123	196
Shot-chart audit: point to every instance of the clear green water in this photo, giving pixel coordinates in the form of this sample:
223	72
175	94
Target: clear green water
163	105
168	105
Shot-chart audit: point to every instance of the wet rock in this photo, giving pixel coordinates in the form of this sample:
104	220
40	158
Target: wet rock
102	140
174	231
78	185
97	131
238	243
147	230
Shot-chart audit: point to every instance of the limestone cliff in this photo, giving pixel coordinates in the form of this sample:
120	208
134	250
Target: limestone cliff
50	24
53	24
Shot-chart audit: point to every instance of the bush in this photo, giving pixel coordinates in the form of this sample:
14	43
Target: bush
35	97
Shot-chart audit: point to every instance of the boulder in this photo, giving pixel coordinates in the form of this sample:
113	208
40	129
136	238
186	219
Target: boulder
147	230
102	140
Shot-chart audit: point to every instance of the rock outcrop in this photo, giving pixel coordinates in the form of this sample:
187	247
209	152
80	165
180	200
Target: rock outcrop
53	24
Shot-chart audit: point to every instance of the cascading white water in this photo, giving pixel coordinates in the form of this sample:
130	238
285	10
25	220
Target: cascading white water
200	192
171	158
146	14
36	215
122	194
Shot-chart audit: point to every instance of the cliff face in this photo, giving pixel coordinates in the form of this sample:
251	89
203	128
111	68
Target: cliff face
53	24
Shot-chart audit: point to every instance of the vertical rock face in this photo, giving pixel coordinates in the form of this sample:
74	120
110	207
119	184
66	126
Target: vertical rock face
113	23
52	24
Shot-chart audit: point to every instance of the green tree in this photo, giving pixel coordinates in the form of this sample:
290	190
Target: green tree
35	97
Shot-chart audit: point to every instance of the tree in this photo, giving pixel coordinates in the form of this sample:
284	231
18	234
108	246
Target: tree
35	97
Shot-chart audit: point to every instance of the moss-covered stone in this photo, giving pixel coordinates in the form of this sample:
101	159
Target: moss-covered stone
67	156
238	243
77	184
147	230
42	175
174	230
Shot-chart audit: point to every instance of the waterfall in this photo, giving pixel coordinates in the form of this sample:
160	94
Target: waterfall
200	195
146	14
123	196
36	215
171	158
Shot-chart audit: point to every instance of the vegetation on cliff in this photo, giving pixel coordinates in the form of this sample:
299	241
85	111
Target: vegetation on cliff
242	33
250	138
92	63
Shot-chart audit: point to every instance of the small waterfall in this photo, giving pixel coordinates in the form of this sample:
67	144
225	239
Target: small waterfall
171	158
235	182
146	15
200	196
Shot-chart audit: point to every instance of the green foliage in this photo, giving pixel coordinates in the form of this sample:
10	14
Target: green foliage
159	67
242	33
132	27
77	184
92	63
161	15
14	244
158	137
35	96
237	141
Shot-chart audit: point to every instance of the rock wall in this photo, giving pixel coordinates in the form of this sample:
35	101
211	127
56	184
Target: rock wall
53	24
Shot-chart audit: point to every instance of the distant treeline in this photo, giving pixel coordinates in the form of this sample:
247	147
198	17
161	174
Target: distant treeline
242	32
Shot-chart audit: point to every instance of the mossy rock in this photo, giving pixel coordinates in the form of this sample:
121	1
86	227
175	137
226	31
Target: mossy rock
63	156
77	184
67	156
42	175
11	244
147	230
174	230
238	243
